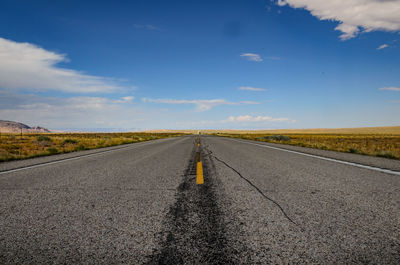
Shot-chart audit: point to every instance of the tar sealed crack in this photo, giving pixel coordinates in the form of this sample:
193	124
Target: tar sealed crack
209	153
194	231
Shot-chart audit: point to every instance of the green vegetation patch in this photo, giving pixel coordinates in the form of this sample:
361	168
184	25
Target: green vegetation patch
42	138
277	138
69	141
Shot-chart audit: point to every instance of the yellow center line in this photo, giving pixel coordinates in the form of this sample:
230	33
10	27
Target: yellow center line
199	168
200	178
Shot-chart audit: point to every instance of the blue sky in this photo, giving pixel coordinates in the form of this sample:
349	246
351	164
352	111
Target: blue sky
123	65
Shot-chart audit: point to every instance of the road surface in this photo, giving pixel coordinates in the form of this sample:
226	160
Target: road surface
260	204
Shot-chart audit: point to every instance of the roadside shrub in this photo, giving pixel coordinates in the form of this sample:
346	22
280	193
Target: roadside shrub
101	143
13	149
323	147
386	154
81	147
69	141
354	150
278	138
52	150
42	138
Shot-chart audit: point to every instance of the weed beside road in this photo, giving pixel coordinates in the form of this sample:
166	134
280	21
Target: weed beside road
380	145
13	146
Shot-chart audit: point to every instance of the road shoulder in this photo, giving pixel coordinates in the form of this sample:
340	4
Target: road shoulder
17	164
379	162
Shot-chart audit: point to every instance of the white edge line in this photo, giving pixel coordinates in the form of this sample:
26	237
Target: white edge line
132	146
325	158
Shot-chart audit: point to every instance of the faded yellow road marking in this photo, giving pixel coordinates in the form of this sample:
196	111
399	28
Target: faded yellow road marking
200	178
199	168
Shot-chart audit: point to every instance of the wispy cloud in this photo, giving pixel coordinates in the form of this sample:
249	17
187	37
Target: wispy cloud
29	67
201	104
148	27
250	118
252	57
246	102
354	16
96	102
127	99
383	46
241	121
391	88
249	88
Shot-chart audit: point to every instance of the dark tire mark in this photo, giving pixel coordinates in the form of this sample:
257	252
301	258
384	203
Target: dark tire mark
194	229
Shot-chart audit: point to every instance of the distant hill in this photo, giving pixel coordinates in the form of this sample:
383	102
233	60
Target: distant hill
15	127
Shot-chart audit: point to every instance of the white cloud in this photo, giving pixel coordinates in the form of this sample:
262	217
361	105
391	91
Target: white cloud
246	102
201	104
29	67
235	122
127	99
392	88
249	88
96	102
252	57
75	112
249	118
383	46
354	16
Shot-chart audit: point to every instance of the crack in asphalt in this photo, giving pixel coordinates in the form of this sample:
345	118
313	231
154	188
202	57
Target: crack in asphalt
209	153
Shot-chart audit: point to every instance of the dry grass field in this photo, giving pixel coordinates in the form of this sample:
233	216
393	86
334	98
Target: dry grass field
377	141
15	146
374	141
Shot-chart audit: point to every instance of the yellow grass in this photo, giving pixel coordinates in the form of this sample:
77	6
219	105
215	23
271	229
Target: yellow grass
15	146
377	144
375	141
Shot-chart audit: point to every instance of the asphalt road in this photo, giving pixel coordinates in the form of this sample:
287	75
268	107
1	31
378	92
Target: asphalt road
140	204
